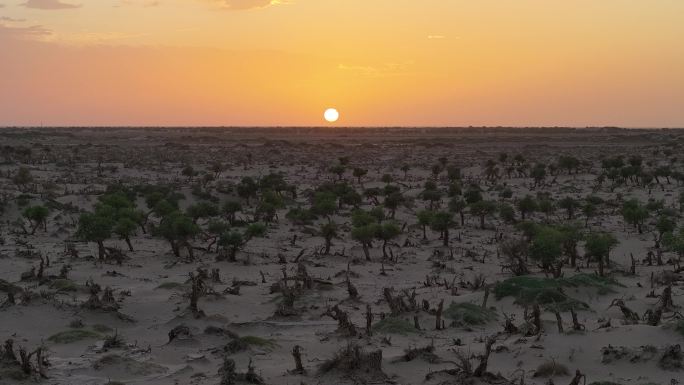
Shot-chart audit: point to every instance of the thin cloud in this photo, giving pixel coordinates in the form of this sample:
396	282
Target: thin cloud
49	4
11	20
241	5
35	32
383	70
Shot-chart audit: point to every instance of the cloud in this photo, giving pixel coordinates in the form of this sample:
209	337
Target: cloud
35	32
382	70
49	4
239	5
11	20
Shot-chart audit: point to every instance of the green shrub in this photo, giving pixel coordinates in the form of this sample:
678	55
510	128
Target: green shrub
69	336
170	286
63	285
679	327
468	314
394	325
547	291
102	328
258	341
551	369
605	383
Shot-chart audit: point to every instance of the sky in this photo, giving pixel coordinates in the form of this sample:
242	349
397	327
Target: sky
379	62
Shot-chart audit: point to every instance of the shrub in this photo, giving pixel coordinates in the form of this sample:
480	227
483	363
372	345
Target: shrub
63	285
547	291
551	369
69	336
258	341
394	325
170	286
468	314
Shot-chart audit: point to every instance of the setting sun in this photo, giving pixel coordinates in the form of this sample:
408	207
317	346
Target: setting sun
331	115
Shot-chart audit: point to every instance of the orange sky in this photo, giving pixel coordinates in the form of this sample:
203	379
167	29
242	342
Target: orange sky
380	62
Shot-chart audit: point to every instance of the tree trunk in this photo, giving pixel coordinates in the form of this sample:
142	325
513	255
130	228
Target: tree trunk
559	320
101	250
174	249
366	252
438	316
445	237
369	321
128	242
328	243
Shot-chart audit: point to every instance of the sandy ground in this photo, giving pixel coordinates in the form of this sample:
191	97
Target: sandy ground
151	285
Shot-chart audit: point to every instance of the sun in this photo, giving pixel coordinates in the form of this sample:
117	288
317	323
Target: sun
331	115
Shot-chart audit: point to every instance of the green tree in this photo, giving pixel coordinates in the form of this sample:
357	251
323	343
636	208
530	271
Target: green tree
572	234
37	216
405	168
546	206
178	229
546	248
97	228
538	174
507	213
442	221
324	204
458	205
635	214
125	227
598	247
300	216
526	206
247	188
482	209
453	173
570	205
569	163
202	210
589	211
386	232
22	178
674	241
230	209
338	170
359	173
664	225
392	202
328	231
424	220
432	196
364	234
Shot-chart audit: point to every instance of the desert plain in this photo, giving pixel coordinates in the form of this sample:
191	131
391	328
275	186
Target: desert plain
341	256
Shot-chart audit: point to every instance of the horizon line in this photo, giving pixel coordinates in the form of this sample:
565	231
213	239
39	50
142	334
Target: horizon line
336	127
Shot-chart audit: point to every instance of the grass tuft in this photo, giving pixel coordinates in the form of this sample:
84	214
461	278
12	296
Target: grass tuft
468	314
170	286
551	369
394	325
258	341
74	335
548	291
63	285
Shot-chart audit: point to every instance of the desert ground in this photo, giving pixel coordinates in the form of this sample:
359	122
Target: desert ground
341	256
